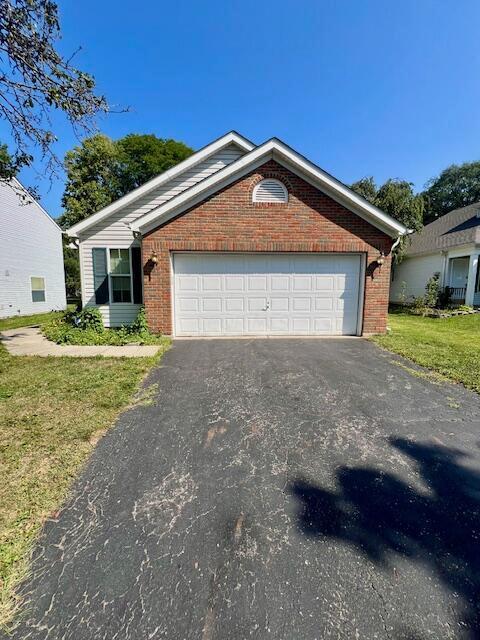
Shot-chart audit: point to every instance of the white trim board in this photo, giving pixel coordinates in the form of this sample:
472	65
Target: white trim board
164	177
272	149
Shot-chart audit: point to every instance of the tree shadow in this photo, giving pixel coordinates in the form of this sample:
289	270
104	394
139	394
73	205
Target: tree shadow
380	515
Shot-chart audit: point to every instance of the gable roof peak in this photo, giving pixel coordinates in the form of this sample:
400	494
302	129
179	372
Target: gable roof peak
292	160
232	137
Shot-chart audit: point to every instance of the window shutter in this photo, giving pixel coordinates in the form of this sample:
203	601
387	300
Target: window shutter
137	275
100	276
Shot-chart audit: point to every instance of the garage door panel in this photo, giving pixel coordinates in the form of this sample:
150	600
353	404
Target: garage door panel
280	283
188	304
189	326
234	283
234	304
302	283
278	294
324	304
279	325
325	283
188	283
257	283
211	305
256	304
234	326
301	326
323	326
302	304
257	325
279	303
212	325
211	283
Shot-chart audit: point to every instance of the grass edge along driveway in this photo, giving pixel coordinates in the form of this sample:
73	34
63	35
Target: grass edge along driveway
52	413
448	346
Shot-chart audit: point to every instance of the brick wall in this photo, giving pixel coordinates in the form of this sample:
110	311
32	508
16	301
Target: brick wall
230	221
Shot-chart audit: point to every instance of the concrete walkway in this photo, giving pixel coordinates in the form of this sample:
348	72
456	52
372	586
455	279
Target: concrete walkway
28	341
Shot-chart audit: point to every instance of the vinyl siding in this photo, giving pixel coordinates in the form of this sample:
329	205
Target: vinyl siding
414	272
30	245
114	232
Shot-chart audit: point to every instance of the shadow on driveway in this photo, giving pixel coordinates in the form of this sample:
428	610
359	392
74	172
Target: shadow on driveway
380	515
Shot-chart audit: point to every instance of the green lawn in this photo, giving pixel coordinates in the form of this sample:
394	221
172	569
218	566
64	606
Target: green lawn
52	413
448	346
24	321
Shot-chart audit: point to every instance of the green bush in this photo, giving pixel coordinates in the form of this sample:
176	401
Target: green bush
139	325
432	290
89	318
86	328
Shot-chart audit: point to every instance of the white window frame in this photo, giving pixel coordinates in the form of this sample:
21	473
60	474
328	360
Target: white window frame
257	186
44	289
110	275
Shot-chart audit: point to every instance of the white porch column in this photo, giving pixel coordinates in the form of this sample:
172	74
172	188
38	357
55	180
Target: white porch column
472	273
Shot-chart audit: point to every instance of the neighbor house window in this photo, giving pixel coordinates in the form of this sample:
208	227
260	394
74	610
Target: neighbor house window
38	289
120	275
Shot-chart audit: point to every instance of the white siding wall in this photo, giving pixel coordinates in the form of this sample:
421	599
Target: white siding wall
114	232
30	245
415	272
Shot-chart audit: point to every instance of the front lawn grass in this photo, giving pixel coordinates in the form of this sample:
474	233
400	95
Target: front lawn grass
52	412
449	346
24	321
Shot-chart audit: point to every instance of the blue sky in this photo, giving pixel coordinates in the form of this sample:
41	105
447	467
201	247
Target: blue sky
361	87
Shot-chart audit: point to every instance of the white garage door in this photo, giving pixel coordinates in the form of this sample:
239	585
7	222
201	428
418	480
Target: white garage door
265	294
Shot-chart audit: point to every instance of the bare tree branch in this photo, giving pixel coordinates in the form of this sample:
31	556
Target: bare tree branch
36	81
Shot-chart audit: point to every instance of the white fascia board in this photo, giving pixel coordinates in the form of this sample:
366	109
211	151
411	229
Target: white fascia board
340	192
346	202
280	152
200	191
166	176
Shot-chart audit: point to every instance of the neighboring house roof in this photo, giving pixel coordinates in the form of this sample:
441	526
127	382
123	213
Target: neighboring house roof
459	227
166	176
277	150
17	186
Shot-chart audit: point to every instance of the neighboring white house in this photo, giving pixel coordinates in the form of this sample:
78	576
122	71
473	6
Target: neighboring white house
449	246
32	278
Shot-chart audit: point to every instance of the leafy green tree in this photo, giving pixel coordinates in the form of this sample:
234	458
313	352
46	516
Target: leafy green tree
101	170
7	169
92	181
366	188
71	262
457	186
36	80
397	199
141	157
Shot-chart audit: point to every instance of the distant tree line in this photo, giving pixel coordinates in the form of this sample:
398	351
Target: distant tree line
456	186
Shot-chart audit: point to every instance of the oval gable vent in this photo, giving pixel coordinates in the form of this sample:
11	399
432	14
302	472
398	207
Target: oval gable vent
270	190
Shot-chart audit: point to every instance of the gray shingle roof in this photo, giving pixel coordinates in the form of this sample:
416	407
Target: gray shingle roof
460	226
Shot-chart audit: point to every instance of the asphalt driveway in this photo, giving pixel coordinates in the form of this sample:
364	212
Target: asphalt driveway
286	489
